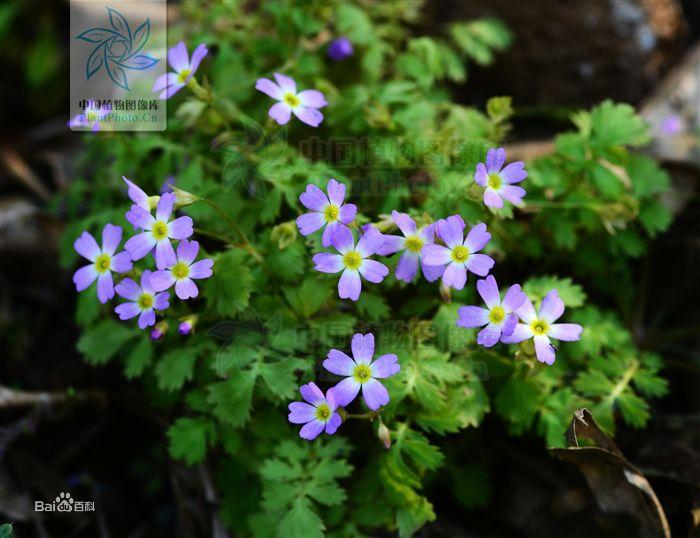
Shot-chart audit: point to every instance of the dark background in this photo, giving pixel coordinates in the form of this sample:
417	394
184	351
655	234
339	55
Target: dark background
111	447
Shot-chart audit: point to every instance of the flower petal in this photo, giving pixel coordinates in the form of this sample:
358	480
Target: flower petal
339	363
346	391
178	58
391	244
161	280
311	430
311	393
127	310
201	269
349	285
508	324
87	247
128	289
373	271
147	318
451	231
310	116
436	255
488	289
180	228
489	335
162	82
84	276
121	263
286	83
427	233
161	301
568	332
199	53
480	264
362	348
301	413
514	298
333	423
481	176
455	276
544	349
165	255
111	237
105	287
165	206
405	223
187	251
308	223
140	217
385	366
492	199
472	316
514	172
314	198
312	98
552	307
526	311
407	267
280	112
342	239
326	262
520	332
268	87
495	159
432	272
186	289
374	394
477	238
347	213
336	192
513	194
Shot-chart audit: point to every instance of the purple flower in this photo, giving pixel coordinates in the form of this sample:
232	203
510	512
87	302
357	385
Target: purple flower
499	183
158	231
498	317
353	261
327	211
340	48
541	327
103	261
93	116
458	255
137	195
187	324
361	372
671	125
142	300
183	271
412	244
159	330
304	104
184	69
317	415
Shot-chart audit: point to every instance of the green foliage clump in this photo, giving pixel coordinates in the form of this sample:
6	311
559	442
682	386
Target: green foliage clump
266	320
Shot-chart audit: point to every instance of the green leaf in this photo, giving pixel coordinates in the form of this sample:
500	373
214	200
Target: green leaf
232	398
301	520
634	410
280	376
6	530
87	309
655	217
102	342
229	288
307	298
188	439
518	401
353	22
616	125
139	358
572	294
176	367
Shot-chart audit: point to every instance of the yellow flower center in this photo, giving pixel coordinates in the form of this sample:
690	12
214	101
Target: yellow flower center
323	412
539	327
160	230
180	270
362	373
495	181
145	301
497	314
460	253
182	75
414	243
331	213
352	259
103	263
291	99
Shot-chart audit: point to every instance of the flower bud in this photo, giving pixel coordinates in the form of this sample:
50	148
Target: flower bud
187	324
159	330
285	234
153	201
340	48
183	198
384	435
445	293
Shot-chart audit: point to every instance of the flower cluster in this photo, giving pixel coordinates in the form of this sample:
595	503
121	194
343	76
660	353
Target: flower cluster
156	234
361	374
